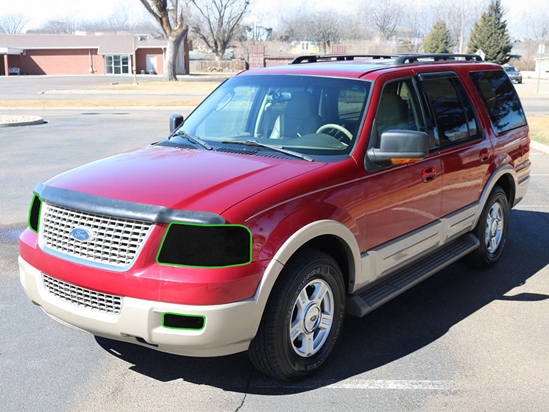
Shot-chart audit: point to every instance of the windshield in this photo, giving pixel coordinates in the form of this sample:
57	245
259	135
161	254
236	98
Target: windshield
509	68
304	114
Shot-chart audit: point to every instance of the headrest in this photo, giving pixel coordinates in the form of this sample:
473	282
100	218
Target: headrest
301	105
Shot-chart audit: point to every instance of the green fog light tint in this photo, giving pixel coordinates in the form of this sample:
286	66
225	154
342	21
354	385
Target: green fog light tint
34	213
206	245
177	321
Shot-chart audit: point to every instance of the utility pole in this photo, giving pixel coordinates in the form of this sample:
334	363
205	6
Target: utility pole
541	50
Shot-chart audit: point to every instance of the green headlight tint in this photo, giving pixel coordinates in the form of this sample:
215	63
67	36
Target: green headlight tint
34	213
206	245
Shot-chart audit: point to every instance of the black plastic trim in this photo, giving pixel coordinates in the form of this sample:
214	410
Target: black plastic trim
399	59
120	208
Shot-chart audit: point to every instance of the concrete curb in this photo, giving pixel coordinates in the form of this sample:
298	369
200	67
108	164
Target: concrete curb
540	147
14	121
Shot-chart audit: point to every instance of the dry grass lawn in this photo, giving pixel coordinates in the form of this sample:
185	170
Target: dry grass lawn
164	87
539	128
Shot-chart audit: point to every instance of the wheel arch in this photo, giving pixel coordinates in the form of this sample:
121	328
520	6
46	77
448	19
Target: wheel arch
329	236
504	177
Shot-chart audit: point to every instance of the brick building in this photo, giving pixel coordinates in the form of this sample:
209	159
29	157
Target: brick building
35	54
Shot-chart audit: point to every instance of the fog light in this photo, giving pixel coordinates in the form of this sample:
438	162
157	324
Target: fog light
178	321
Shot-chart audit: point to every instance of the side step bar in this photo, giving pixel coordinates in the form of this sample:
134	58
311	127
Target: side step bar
372	297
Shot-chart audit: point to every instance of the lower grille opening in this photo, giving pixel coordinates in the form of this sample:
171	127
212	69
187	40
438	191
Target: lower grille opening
177	321
82	297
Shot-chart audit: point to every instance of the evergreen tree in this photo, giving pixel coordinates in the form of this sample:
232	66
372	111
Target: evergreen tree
439	40
490	35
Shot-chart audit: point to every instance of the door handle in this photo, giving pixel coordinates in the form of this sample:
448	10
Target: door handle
428	174
484	155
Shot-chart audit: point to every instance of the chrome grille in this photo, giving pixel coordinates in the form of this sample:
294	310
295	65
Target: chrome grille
83	297
115	241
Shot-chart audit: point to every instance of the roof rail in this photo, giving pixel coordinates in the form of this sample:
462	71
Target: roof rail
338	57
437	57
398	59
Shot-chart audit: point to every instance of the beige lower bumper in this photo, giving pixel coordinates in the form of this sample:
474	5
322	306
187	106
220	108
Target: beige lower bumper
228	328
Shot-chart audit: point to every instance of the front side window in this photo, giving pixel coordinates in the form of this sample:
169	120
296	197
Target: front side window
501	100
399	108
454	115
308	114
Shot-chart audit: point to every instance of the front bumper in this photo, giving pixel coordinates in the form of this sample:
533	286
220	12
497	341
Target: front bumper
228	328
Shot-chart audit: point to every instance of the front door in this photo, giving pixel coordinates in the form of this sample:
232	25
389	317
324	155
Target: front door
400	199
151	64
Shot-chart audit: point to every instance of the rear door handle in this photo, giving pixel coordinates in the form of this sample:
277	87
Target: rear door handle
428	174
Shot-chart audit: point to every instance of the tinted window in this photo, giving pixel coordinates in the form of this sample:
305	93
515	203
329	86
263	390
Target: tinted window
454	115
399	108
501	100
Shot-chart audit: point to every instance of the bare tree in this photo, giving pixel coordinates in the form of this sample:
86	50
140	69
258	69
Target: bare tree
170	15
63	25
218	22
385	17
120	20
12	23
460	17
354	26
325	28
537	22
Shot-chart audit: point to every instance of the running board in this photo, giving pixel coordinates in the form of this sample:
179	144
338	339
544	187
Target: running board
372	297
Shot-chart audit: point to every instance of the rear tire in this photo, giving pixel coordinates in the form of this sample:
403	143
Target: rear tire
491	230
302	319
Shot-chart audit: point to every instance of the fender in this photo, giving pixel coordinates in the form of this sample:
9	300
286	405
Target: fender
294	243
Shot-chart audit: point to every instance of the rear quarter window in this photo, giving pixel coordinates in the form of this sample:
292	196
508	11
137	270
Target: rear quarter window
501	100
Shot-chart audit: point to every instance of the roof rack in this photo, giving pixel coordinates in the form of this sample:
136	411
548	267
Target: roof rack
338	57
398	59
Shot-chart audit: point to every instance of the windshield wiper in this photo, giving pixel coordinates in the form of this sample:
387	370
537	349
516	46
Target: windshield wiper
194	139
272	147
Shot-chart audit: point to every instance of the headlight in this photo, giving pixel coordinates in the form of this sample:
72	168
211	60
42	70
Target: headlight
206	245
34	213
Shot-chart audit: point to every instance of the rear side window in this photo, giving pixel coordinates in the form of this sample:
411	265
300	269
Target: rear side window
501	100
453	111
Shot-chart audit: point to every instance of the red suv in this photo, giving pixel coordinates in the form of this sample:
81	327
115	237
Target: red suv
291	196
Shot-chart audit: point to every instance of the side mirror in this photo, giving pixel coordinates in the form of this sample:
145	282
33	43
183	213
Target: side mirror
176	120
400	146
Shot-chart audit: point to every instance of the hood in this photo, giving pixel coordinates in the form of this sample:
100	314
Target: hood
181	179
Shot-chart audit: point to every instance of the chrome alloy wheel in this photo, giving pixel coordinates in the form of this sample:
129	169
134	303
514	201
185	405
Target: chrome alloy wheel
312	318
494	228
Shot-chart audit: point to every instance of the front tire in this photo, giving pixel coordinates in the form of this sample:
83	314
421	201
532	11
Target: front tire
302	319
491	230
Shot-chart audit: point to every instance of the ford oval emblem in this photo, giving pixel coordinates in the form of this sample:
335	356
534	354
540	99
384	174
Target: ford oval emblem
82	234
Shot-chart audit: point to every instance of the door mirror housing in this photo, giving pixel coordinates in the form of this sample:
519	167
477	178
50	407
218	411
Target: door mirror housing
400	146
176	120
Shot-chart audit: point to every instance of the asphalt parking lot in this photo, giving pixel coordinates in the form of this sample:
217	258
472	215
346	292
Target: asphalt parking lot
464	340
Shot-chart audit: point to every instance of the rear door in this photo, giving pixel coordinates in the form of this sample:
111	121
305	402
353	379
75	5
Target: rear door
465	152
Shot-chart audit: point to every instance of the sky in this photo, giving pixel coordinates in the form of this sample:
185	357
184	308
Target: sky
39	11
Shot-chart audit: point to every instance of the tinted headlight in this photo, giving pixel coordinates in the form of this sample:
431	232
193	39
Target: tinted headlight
206	245
34	213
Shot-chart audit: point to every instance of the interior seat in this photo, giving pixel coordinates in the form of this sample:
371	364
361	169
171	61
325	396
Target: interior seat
300	117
